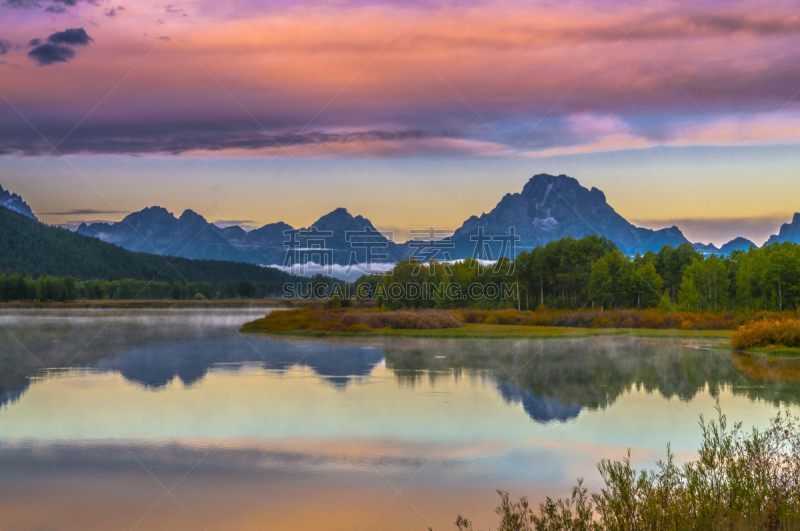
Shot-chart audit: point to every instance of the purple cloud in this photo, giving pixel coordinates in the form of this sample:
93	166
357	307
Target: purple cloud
48	54
71	37
58	49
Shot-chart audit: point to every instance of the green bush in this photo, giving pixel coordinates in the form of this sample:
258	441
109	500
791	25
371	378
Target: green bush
740	481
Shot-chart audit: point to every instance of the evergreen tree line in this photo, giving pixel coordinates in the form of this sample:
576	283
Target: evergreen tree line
21	287
592	272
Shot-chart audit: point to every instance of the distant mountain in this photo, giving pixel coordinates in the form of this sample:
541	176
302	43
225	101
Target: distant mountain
736	244
789	232
155	230
36	248
707	248
548	208
552	207
15	203
362	234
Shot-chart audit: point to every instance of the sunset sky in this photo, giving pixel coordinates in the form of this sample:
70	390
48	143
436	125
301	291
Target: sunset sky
411	113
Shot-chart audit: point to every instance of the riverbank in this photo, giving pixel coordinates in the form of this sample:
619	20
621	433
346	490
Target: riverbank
484	331
315	321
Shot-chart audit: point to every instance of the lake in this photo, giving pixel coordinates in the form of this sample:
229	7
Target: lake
171	419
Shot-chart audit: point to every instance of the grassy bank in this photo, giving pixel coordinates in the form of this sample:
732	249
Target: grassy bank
372	322
482	331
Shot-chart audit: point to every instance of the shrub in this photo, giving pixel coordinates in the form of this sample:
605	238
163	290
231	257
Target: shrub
358	328
602	321
768	333
738	482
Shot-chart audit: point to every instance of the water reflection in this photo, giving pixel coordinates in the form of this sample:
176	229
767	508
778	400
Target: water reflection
157	365
260	432
552	380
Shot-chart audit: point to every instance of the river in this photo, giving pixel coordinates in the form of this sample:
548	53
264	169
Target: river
171	419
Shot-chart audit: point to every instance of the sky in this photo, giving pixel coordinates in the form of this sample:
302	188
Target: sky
412	113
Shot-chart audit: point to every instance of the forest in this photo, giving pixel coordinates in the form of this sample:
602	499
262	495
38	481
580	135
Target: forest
21	287
592	273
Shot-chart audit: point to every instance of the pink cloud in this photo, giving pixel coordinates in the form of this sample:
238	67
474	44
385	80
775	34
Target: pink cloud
454	67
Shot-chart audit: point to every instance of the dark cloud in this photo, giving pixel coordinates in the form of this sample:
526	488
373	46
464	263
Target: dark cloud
48	54
58	49
113	11
5	46
52	6
139	140
82	212
22	4
71	37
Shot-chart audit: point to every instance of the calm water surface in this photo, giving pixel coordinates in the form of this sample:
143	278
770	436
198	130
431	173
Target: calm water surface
173	420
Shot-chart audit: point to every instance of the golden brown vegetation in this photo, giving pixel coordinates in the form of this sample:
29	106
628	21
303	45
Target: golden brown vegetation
318	319
652	318
768	333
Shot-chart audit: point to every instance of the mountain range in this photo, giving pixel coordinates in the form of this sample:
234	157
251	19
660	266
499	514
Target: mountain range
547	208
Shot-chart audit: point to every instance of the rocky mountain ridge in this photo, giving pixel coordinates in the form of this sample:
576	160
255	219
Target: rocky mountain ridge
547	208
14	202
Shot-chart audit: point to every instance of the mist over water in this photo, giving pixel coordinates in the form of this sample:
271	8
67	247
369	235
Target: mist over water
102	412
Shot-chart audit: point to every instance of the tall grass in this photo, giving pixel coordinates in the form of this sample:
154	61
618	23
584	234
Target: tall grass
768	333
740	481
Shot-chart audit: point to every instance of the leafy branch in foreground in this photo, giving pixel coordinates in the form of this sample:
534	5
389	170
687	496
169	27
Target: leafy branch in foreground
740	481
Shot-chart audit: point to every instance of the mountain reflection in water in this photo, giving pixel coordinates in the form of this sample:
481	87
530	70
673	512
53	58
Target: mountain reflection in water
552	380
103	412
157	365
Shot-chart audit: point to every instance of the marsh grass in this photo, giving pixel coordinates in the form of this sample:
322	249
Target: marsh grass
741	481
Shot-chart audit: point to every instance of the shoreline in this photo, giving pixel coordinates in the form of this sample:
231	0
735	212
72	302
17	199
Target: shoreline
491	331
